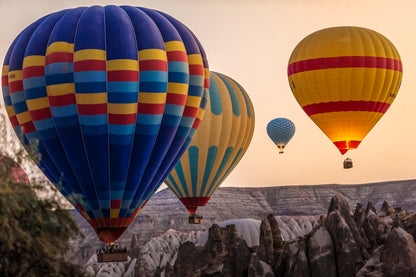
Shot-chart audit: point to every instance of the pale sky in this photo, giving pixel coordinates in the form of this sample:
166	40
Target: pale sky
251	41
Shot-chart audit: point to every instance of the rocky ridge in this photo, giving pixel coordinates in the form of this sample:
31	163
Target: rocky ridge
164	211
363	243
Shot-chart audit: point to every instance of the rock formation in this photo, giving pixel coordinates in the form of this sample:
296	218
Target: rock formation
343	243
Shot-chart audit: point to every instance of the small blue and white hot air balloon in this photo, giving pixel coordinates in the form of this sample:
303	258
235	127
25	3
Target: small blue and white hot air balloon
280	131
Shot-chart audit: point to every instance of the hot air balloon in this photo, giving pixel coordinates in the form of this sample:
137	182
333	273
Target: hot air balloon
345	79
280	131
219	144
107	96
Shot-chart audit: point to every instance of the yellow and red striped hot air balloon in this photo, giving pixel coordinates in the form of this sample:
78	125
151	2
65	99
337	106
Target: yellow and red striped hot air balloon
345	79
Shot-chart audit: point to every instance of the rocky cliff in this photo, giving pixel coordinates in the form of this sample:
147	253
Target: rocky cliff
164	211
343	244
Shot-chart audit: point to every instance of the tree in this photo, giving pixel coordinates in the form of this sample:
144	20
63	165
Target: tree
34	231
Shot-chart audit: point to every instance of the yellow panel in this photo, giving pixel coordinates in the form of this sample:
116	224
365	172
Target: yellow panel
15	75
122	108
91	98
174	46
152	54
350	125
178	88
5	70
38	103
345	84
60	46
342	41
193	101
33	61
114	213
60	89
123	64
195	59
89	54
10	111
23	117
152	98
85	214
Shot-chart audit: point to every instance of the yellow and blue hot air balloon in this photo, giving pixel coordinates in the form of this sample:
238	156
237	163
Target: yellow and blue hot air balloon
281	131
219	144
109	96
345	79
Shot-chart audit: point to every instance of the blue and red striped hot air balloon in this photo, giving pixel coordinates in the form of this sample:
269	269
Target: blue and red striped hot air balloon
108	95
345	79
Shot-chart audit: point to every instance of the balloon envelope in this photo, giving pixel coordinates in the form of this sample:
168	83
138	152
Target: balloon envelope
280	131
219	144
108	95
345	79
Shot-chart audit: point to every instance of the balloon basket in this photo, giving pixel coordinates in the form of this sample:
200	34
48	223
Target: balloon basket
111	257
347	163
195	219
111	254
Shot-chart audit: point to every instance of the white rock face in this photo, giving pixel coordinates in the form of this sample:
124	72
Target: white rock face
118	269
163	249
249	229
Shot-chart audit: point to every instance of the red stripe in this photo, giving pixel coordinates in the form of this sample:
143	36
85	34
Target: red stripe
62	100
33	71
28	127
176	99
196	69
196	124
40	114
5	80
115	204
14	121
190	111
123	75
177	56
343	146
92	109
15	86
206	83
79	206
136	211
59	57
90	65
153	65
343	62
344	106
122	119
144	108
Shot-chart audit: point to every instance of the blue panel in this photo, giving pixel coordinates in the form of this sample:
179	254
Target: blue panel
87	76
193	164
61	78
66	26
215	97
121	40
146	32
34	83
212	154
123	97
233	95
90	33
39	41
